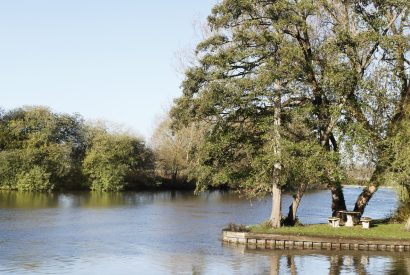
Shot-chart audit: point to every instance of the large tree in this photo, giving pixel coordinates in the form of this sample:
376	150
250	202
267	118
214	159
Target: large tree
391	19
266	63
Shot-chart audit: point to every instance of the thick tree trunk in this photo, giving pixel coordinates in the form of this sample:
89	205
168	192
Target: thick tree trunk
276	215
293	208
338	200
364	198
368	192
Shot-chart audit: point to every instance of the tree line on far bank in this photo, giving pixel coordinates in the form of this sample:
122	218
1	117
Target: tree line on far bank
41	151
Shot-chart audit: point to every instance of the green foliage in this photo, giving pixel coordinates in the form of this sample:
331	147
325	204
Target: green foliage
175	150
116	161
36	141
395	157
402	213
10	167
41	150
36	179
310	164
260	51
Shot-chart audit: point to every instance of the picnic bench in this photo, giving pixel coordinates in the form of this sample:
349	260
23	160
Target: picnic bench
351	216
366	222
334	221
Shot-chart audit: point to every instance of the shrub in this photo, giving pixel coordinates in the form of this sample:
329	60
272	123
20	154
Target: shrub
36	179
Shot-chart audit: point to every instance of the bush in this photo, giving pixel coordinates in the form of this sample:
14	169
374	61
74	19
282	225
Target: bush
114	162
36	179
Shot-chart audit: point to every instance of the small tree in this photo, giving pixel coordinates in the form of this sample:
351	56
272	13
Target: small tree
35	140
175	149
114	162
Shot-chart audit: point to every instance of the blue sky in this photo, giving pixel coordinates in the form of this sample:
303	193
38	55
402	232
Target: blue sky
104	59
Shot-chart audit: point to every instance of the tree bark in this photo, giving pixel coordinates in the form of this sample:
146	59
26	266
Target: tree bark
407	226
276	215
293	208
364	198
338	200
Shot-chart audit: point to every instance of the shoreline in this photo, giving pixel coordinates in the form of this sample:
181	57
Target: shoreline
305	242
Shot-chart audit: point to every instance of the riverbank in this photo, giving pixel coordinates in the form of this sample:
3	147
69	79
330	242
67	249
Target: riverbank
380	237
379	230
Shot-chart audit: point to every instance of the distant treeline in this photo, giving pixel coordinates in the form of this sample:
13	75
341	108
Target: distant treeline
41	150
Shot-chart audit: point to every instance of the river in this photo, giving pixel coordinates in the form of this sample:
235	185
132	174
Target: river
168	233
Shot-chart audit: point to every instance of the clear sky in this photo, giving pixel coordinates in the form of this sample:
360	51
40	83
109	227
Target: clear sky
104	59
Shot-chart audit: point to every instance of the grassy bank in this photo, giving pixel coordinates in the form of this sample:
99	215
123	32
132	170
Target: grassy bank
378	231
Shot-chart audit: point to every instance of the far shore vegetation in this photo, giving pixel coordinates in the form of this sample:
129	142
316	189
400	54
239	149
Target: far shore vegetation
41	150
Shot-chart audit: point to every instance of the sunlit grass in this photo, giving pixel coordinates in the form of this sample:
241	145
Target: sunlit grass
377	231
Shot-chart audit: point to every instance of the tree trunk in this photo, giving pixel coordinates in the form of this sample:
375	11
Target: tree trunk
408	224
364	198
338	200
293	208
276	215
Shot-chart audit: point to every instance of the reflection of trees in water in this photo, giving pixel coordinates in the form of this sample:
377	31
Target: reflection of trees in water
38	200
400	266
335	262
274	264
354	263
292	265
28	200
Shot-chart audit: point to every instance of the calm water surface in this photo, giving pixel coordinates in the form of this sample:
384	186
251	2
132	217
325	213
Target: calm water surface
167	233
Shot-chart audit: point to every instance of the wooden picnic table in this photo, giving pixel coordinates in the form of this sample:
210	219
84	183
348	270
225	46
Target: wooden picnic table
350	215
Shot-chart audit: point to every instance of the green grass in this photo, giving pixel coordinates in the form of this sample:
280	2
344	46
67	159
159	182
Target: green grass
377	231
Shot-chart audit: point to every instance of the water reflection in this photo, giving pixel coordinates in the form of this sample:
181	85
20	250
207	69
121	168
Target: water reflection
28	200
166	233
323	262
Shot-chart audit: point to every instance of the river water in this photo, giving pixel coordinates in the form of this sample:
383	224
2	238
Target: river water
168	233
